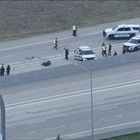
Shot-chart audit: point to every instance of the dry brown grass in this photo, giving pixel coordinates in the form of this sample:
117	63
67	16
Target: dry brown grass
27	18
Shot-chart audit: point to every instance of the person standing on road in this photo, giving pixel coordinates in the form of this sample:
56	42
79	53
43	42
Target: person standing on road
66	53
104	50
55	43
115	53
8	70
58	137
109	49
2	70
74	28
123	51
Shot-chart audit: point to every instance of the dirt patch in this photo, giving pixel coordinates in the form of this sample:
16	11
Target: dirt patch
27	18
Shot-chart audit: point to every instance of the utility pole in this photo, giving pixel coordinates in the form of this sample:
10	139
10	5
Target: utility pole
90	73
2	107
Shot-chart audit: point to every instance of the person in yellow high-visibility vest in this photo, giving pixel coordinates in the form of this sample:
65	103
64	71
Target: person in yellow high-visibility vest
74	28
55	43
104	50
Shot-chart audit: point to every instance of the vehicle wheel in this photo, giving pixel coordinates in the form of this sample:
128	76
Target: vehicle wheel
81	59
111	37
135	49
132	35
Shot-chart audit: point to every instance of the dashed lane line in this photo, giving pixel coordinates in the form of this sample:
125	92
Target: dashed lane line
99	130
71	95
60	56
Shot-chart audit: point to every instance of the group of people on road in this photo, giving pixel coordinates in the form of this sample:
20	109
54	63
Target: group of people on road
2	70
74	28
104	50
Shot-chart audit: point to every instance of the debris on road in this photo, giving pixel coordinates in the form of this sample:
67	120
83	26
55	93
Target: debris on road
46	63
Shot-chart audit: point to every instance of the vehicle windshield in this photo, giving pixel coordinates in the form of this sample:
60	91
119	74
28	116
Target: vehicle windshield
114	27
135	41
86	52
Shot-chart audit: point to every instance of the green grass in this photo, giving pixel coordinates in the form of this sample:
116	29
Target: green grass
21	19
133	136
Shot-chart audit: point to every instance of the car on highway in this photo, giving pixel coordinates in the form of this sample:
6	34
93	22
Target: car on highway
133	44
84	53
121	31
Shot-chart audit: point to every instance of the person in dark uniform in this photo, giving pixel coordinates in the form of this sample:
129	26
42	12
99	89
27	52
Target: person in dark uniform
115	53
8	70
55	43
123	51
2	70
66	53
109	49
58	137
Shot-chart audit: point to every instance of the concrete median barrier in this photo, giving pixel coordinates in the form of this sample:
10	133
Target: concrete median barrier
69	69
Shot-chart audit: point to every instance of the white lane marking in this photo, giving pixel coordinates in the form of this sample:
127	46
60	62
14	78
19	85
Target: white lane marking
120	115
24	92
90	33
98	130
6	56
55	57
68	135
31	132
118	125
44	98
40	121
36	101
43	42
44	120
107	108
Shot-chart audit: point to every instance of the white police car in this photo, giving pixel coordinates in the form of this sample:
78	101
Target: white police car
121	31
84	53
132	45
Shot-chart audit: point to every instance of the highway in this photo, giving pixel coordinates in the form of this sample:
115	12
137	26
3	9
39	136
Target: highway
19	53
61	105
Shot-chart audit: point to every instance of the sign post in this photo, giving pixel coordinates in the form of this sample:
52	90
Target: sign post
2	107
1	137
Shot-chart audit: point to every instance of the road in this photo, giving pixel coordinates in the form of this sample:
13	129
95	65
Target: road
62	105
19	53
42	109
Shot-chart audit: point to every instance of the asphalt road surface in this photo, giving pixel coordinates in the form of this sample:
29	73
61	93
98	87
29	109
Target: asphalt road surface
42	109
28	54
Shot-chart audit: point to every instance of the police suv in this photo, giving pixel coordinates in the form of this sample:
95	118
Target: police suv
84	53
133	44
121	31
